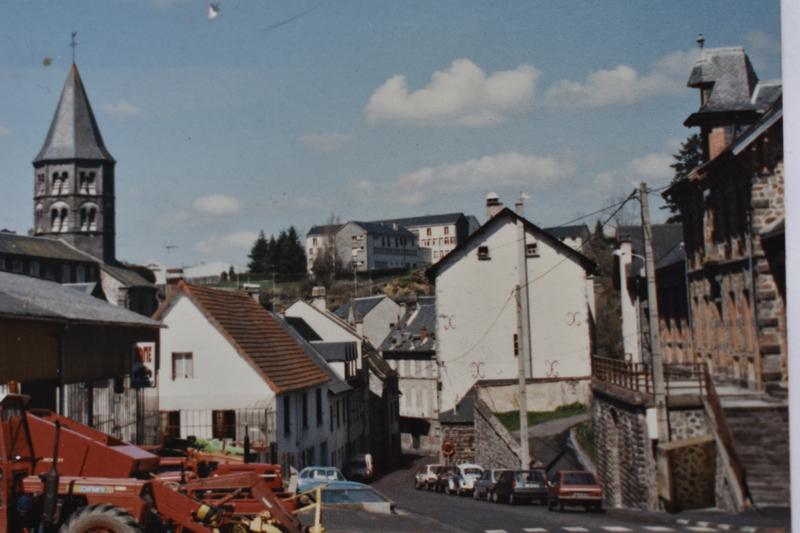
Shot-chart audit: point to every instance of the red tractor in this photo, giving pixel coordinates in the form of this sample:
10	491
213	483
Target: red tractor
59	475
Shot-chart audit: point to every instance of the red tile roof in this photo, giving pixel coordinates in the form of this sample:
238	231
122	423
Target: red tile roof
257	336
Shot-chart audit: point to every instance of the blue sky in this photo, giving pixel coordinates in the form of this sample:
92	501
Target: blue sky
367	110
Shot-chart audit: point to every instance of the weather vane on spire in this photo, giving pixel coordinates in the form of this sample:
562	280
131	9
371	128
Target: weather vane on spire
73	44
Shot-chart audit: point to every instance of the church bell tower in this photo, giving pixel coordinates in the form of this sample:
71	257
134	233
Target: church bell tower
73	193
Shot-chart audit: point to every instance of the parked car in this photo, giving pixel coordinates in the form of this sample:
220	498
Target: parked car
443	475
520	486
425	478
361	467
574	487
483	486
464	482
312	476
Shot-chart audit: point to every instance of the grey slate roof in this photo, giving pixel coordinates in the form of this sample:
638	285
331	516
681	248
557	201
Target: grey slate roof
363	306
424	220
128	277
27	297
732	76
379	367
570	232
85	288
336	352
376	228
407	337
73	132
302	327
336	385
464	412
667	248
322	230
44	247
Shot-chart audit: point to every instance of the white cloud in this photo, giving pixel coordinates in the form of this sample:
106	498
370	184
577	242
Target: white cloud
239	240
498	171
764	51
460	95
123	107
653	168
218	204
4	131
326	143
623	84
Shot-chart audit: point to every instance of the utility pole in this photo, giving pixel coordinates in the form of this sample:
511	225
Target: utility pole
523	336
657	361
274	293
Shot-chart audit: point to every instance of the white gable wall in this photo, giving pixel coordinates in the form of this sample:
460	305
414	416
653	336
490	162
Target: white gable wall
376	322
326	327
222	378
476	312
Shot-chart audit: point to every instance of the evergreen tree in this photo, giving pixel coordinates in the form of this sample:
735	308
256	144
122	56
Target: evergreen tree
296	252
688	158
258	256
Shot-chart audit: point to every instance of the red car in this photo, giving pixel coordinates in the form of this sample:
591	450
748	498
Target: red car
574	487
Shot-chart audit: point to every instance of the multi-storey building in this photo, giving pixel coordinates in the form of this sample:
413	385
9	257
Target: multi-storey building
437	235
365	246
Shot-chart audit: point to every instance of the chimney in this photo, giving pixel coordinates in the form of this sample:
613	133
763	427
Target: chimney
253	290
493	205
519	206
318	298
174	276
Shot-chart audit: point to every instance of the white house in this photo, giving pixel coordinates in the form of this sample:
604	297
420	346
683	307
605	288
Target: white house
476	311
372	316
226	363
438	234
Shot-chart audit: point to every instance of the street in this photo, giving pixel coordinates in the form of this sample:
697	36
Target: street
421	510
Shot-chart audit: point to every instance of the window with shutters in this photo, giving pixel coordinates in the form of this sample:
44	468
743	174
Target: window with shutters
182	365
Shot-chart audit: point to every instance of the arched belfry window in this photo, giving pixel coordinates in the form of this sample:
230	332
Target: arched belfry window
60	183
39	215
59	218
87	182
40	183
89	214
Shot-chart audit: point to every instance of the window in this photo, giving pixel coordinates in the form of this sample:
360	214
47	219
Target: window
319	408
532	249
2	264
88	215
447	230
223	424
182	365
171	424
287	416
40	184
428	232
314	241
86	183
80	274
33	268
66	274
483	253
16	266
305	410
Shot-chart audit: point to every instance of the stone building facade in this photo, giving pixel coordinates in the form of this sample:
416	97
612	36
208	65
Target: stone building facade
733	212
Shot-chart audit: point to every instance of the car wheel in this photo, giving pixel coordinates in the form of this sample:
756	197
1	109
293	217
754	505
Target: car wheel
511	499
495	497
475	494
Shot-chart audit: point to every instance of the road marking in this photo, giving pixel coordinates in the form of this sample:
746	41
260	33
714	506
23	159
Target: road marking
616	528
533	529
704	524
700	528
724	527
574	528
683	521
658	528
495	531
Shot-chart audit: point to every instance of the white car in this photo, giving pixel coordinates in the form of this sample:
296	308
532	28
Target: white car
464	483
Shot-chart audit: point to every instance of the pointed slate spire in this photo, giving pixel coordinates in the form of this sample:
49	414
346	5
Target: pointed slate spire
73	133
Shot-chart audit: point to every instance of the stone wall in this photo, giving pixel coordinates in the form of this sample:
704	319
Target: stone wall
625	463
687	423
691	472
462	436
494	445
542	394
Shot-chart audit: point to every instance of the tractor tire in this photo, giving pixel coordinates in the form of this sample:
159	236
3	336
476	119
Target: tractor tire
98	518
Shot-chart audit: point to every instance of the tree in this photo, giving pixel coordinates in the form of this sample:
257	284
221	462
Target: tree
259	255
688	158
608	319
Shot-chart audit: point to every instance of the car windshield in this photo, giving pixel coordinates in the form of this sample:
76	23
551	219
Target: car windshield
354	495
529	476
579	478
321	473
472	471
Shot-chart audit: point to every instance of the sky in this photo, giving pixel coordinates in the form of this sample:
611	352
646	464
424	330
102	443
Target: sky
278	113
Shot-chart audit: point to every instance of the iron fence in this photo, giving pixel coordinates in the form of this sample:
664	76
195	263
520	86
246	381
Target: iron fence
229	425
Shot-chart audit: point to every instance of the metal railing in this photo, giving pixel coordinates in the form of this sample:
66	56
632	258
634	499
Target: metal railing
632	376
684	378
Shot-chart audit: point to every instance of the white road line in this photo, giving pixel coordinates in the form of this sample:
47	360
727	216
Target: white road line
534	529
616	528
683	521
574	528
495	531
704	524
700	528
658	528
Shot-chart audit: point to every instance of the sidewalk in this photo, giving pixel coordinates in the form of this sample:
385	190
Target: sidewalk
753	521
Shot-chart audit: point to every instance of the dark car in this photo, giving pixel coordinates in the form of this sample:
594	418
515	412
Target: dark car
443	475
574	487
520	486
483	486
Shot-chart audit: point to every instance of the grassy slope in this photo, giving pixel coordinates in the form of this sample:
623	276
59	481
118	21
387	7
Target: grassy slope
511	419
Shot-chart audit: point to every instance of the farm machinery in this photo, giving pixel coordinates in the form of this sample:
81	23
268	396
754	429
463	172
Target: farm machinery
60	475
